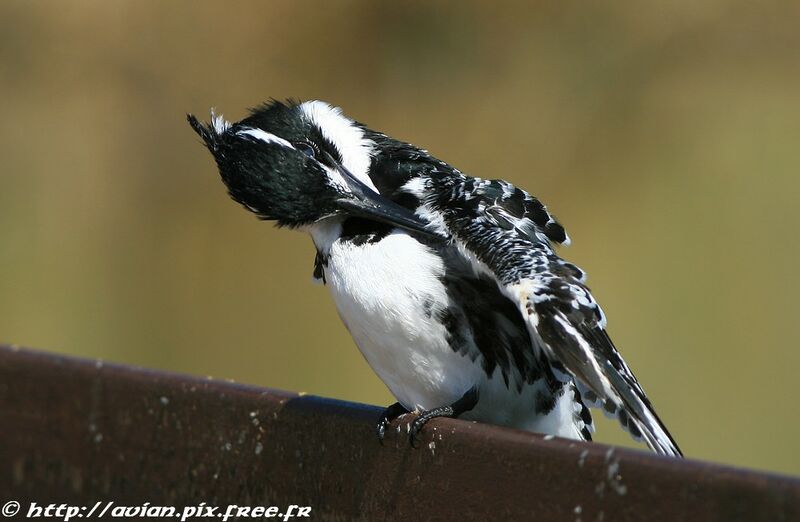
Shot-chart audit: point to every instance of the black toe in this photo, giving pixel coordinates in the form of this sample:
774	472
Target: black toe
389	414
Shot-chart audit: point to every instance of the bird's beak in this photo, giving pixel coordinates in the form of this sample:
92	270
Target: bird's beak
364	202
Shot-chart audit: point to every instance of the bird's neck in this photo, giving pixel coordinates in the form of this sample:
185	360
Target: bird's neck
325	232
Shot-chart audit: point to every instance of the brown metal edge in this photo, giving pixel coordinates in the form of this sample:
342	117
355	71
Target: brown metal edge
80	430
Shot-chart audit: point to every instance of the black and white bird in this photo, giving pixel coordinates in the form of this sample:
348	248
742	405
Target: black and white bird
449	284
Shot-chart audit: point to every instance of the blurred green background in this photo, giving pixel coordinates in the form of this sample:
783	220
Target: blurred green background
664	136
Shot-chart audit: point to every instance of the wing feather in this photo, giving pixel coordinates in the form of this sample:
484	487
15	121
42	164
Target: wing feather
508	234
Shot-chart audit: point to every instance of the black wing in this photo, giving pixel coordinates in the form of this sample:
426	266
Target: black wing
507	234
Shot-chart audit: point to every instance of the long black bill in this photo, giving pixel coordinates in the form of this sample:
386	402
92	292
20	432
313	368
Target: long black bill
364	202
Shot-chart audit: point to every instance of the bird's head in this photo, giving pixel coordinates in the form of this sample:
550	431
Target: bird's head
299	163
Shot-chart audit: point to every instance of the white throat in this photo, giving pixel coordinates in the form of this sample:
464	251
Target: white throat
324	233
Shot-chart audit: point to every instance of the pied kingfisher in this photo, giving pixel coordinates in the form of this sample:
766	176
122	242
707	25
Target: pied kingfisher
448	284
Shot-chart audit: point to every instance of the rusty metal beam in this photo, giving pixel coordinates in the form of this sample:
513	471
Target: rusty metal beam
80	431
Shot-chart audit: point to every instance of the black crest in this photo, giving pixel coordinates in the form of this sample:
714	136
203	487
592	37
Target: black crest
264	169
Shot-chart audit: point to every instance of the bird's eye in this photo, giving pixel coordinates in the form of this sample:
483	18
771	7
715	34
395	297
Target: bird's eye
305	148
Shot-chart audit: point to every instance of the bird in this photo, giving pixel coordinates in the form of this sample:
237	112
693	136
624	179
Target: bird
450	285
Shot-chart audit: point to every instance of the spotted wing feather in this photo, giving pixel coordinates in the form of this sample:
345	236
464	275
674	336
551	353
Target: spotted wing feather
508	234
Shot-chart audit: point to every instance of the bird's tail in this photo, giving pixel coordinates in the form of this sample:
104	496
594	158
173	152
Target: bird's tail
633	410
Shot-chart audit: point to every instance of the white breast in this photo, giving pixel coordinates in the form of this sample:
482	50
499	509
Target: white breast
386	293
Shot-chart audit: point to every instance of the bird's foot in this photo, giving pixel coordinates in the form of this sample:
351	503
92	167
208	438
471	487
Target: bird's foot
389	414
462	405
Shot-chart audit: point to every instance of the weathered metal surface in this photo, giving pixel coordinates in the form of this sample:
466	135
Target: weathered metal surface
80	431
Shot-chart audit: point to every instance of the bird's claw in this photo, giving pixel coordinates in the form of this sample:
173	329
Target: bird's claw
389	414
414	428
381	428
465	403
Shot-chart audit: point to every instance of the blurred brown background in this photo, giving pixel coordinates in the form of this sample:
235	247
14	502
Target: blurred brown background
665	137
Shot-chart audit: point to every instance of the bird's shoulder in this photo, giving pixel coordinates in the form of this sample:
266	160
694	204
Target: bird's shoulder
412	177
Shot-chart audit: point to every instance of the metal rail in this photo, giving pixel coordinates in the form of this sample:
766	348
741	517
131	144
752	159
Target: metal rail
81	431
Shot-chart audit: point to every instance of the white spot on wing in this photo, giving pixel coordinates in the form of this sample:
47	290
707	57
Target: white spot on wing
435	219
587	350
416	186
